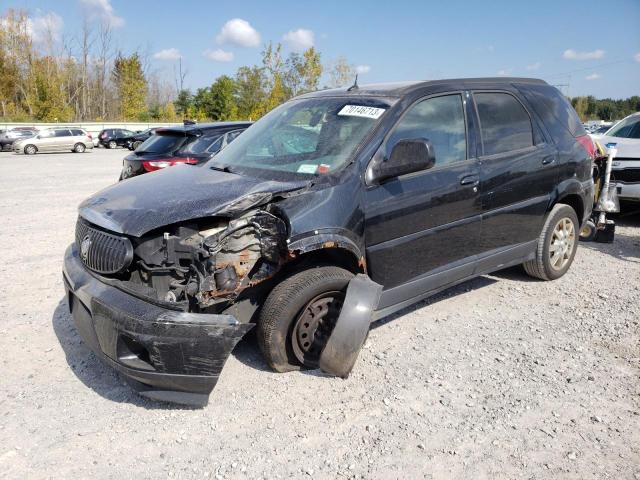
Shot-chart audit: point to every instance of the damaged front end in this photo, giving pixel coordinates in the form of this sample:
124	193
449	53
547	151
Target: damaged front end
202	266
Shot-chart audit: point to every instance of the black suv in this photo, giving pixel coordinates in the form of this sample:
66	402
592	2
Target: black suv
115	137
136	139
190	144
336	209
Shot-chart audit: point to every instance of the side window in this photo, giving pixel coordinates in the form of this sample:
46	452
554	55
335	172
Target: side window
62	133
46	133
77	132
504	123
440	120
231	136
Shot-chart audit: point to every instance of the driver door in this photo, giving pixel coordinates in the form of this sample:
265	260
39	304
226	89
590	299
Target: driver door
422	228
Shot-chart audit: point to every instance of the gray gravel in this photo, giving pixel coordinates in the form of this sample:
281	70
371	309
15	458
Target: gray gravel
501	377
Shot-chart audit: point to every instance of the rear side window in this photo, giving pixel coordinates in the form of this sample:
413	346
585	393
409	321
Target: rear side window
77	132
439	120
62	133
554	109
231	136
202	145
504	123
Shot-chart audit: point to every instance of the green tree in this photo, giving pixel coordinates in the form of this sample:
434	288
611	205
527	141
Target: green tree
131	86
183	102
222	100
250	83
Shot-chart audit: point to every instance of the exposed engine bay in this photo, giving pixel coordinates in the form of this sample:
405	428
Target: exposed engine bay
203	264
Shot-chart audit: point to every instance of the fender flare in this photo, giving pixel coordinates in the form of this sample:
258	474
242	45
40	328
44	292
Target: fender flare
314	241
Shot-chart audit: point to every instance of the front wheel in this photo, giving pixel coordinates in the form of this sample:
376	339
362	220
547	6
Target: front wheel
298	316
112	144
557	244
79	148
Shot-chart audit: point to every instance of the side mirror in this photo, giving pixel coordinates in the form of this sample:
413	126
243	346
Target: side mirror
407	156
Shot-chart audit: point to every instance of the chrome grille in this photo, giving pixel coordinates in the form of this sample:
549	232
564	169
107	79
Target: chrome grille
100	251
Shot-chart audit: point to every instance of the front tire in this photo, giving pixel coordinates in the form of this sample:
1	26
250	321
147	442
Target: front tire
298	315
30	150
112	144
79	148
557	244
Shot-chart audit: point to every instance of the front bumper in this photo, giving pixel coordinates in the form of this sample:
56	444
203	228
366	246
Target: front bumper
171	355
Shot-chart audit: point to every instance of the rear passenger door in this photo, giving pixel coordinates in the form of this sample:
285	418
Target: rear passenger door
518	172
421	228
63	139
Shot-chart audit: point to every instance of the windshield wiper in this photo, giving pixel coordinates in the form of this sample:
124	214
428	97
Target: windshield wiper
221	168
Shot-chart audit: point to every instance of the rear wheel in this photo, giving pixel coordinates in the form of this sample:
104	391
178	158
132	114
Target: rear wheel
557	244
136	145
112	144
298	316
79	148
30	149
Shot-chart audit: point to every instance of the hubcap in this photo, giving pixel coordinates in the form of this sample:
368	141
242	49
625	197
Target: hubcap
562	244
314	325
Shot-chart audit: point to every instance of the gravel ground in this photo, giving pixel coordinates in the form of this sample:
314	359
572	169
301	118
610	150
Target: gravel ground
501	377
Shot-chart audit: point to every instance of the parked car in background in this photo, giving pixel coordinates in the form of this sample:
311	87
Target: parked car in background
8	137
136	139
59	139
114	137
191	144
337	208
625	136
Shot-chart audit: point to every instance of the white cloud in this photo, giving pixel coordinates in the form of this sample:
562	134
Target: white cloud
218	55
102	10
361	69
168	54
593	76
45	27
636	57
534	66
299	40
505	72
238	32
571	54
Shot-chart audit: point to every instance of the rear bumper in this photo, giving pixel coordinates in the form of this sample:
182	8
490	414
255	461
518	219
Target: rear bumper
171	355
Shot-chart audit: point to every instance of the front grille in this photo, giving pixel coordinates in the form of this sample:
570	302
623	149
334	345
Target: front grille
627	175
100	251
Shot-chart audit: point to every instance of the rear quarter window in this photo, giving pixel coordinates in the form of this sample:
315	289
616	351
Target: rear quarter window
554	109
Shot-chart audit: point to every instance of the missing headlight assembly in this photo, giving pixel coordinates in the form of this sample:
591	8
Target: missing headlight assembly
197	268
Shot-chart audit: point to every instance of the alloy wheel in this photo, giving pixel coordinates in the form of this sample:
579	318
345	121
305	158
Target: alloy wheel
562	244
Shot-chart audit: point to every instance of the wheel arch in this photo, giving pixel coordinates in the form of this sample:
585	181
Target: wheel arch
326	249
570	192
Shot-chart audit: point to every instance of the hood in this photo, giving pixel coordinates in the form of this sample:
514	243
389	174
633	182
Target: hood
146	202
627	147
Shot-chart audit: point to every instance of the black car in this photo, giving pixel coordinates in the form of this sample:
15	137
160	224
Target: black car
191	144
136	139
114	137
337	208
8	137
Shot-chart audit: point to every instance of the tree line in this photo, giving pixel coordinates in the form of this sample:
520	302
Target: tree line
87	79
591	108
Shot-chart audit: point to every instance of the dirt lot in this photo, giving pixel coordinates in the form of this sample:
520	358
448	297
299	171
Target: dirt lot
501	377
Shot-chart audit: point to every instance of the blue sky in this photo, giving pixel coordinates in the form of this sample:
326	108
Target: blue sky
591	46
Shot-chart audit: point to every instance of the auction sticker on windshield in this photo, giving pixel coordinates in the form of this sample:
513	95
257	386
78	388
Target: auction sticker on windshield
361	111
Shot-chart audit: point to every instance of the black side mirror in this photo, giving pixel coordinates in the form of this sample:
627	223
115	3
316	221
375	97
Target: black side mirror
407	156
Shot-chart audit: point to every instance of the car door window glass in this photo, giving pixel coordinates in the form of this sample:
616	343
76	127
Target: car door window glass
231	136
77	133
441	121
629	128
504	123
62	133
46	134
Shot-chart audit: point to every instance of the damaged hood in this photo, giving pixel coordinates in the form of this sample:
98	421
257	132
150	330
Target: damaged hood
146	202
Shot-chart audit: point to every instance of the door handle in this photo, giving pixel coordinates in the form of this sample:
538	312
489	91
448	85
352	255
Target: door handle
470	180
548	159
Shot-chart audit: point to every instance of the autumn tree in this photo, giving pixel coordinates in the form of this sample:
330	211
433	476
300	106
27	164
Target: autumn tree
131	85
341	73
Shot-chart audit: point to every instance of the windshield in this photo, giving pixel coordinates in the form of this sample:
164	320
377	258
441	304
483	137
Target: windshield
303	138
162	143
627	128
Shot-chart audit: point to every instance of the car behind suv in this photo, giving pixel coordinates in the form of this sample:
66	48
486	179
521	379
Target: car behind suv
190	144
59	139
115	137
625	172
337	208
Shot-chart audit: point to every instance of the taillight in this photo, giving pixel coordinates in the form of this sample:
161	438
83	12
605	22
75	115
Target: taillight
90	137
153	165
587	144
104	135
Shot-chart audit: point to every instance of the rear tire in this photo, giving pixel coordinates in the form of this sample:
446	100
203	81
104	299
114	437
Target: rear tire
557	244
79	148
30	149
135	145
297	316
